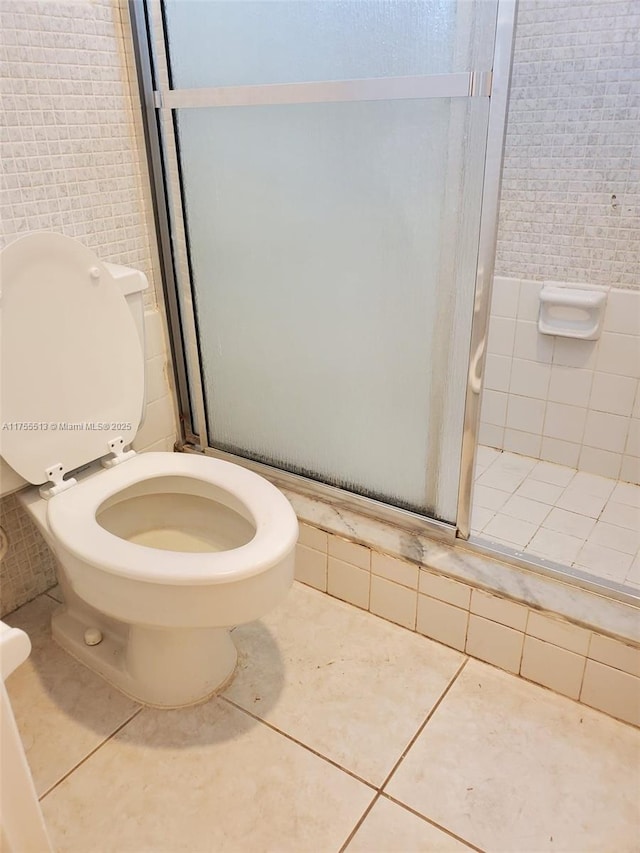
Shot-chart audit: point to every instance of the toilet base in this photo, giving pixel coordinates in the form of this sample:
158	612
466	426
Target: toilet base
161	667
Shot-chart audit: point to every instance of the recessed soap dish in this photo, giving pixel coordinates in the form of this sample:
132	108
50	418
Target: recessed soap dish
570	312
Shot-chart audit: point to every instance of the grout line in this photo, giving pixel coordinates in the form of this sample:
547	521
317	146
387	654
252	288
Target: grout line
359	823
89	754
432	822
299	743
424	723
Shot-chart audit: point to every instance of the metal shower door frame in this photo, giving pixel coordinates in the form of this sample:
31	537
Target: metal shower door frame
159	100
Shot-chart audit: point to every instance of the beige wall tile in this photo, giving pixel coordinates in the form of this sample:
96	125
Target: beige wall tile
499	609
552	666
442	622
612	691
311	567
398	571
394	602
446	589
494	643
349	552
348	583
615	654
553	630
312	537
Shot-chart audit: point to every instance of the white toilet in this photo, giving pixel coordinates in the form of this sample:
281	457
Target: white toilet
159	553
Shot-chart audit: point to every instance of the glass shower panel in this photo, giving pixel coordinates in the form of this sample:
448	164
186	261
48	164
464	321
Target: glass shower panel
333	250
251	42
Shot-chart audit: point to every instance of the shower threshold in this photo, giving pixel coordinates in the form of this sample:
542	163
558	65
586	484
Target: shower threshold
545	511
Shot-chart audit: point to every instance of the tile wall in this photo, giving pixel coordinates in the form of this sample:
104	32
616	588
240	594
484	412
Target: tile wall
74	162
563	400
568	658
570	203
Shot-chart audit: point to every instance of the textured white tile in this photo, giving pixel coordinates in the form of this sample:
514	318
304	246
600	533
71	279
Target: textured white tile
563	521
480	517
497	371
494	407
526	443
509	529
564	422
591	484
553	667
493	730
551	629
526	509
348	582
602	462
621	515
530	344
393	602
605	562
349	552
570	385
546	493
501	610
630	469
529	378
525	413
489	498
494	643
616	654
570	352
548	472
501	336
393	569
442	622
612	691
618	538
619	354
339	680
311	567
491	435
389	827
626	493
554	546
504	297
564	453
313	537
446	589
529	300
623	312
605	431
613	394
578	501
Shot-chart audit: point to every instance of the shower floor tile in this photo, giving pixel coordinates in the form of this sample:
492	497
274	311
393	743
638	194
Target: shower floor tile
558	514
357	735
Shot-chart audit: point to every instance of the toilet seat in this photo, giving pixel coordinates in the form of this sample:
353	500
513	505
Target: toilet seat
72	518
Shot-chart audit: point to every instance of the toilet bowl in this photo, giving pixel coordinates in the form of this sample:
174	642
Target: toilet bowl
159	554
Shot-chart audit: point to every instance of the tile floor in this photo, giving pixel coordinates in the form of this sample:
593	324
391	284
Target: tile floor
559	514
339	732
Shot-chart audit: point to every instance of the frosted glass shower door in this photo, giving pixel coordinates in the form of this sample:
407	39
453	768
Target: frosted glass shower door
332	209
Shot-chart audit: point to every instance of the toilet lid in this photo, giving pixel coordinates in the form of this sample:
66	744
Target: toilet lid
71	363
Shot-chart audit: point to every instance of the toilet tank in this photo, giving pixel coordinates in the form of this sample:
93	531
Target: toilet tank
132	284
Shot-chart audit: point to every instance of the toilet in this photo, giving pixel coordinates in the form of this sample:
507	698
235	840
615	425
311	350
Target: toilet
160	554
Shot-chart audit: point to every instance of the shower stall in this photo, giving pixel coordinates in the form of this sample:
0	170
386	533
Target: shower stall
326	178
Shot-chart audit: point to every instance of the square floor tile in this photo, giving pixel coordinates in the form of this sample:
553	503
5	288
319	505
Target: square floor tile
346	683
63	710
509	766
202	779
389	828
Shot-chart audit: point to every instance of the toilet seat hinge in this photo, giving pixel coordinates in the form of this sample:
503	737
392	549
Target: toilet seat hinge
55	475
116	447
